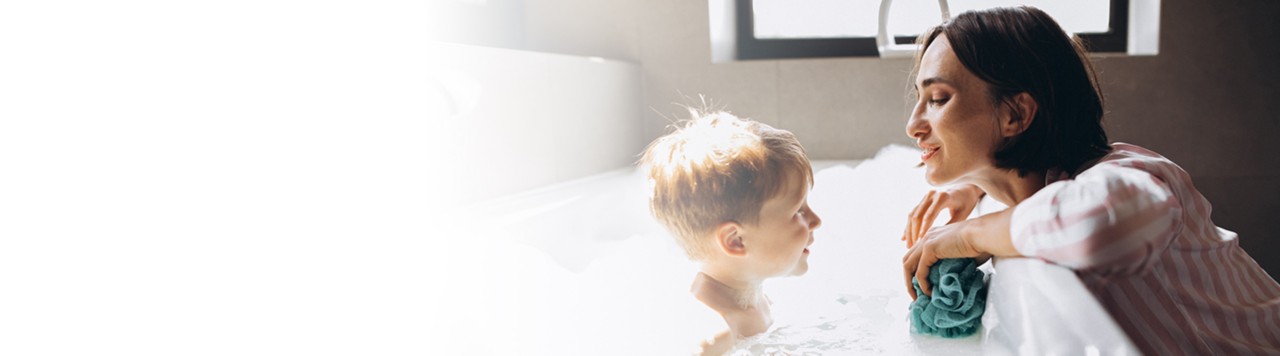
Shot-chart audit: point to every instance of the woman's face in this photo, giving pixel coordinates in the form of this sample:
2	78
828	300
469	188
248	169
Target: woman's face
954	121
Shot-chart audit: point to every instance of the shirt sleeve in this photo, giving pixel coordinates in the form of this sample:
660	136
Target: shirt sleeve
1110	219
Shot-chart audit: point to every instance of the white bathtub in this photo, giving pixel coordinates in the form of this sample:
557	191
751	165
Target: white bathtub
581	268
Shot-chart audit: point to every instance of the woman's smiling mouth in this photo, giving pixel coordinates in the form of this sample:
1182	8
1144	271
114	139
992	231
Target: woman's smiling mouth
927	153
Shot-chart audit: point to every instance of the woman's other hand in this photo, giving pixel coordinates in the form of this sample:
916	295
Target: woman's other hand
959	200
941	242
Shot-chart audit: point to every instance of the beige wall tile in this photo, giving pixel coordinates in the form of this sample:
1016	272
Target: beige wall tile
832	106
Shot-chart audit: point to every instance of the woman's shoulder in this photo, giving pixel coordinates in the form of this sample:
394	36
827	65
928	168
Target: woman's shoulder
1126	156
1129	150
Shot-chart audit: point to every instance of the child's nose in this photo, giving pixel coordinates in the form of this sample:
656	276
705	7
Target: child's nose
816	221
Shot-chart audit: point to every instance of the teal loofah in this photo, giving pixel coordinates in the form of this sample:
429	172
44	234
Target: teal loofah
959	298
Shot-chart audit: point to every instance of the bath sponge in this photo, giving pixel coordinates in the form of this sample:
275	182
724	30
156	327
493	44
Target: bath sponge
959	298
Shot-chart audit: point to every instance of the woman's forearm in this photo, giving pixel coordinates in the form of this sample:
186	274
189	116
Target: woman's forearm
990	234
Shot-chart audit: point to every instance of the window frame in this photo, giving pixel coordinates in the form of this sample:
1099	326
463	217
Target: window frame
749	47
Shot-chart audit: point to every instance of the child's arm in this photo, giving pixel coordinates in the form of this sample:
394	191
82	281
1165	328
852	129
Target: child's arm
717	345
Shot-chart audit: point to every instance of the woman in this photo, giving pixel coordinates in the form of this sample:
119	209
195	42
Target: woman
1008	107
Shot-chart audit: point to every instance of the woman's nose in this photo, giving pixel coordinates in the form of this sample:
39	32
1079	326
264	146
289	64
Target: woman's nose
916	126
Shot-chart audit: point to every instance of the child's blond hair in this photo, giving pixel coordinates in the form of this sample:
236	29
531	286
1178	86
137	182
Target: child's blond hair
719	168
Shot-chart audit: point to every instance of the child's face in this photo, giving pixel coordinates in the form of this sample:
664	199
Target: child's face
778	243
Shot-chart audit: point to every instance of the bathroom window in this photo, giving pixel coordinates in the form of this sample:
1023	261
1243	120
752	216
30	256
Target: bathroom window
774	29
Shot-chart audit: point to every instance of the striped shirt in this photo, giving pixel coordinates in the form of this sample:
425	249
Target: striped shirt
1138	234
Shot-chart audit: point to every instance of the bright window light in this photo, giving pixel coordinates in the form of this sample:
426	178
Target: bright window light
1088	16
816	18
911	17
792	19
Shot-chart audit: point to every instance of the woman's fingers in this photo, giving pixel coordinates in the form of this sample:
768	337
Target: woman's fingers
960	202
911	222
922	254
922	270
931	213
914	219
909	263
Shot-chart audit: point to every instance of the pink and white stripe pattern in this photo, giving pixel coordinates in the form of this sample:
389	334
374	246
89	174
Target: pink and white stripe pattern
1138	235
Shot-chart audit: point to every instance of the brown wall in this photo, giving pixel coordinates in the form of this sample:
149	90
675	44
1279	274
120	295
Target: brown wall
1208	101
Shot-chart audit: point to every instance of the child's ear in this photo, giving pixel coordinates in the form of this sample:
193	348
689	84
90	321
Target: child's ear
1022	110
728	238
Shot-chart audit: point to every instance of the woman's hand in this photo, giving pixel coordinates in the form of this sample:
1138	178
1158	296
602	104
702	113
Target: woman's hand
948	241
959	200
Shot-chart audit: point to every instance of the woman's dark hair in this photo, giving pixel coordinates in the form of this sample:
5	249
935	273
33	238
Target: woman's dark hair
1022	49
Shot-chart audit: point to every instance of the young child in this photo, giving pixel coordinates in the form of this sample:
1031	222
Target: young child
734	193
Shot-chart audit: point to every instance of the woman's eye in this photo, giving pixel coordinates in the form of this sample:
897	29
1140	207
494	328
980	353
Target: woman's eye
938	101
